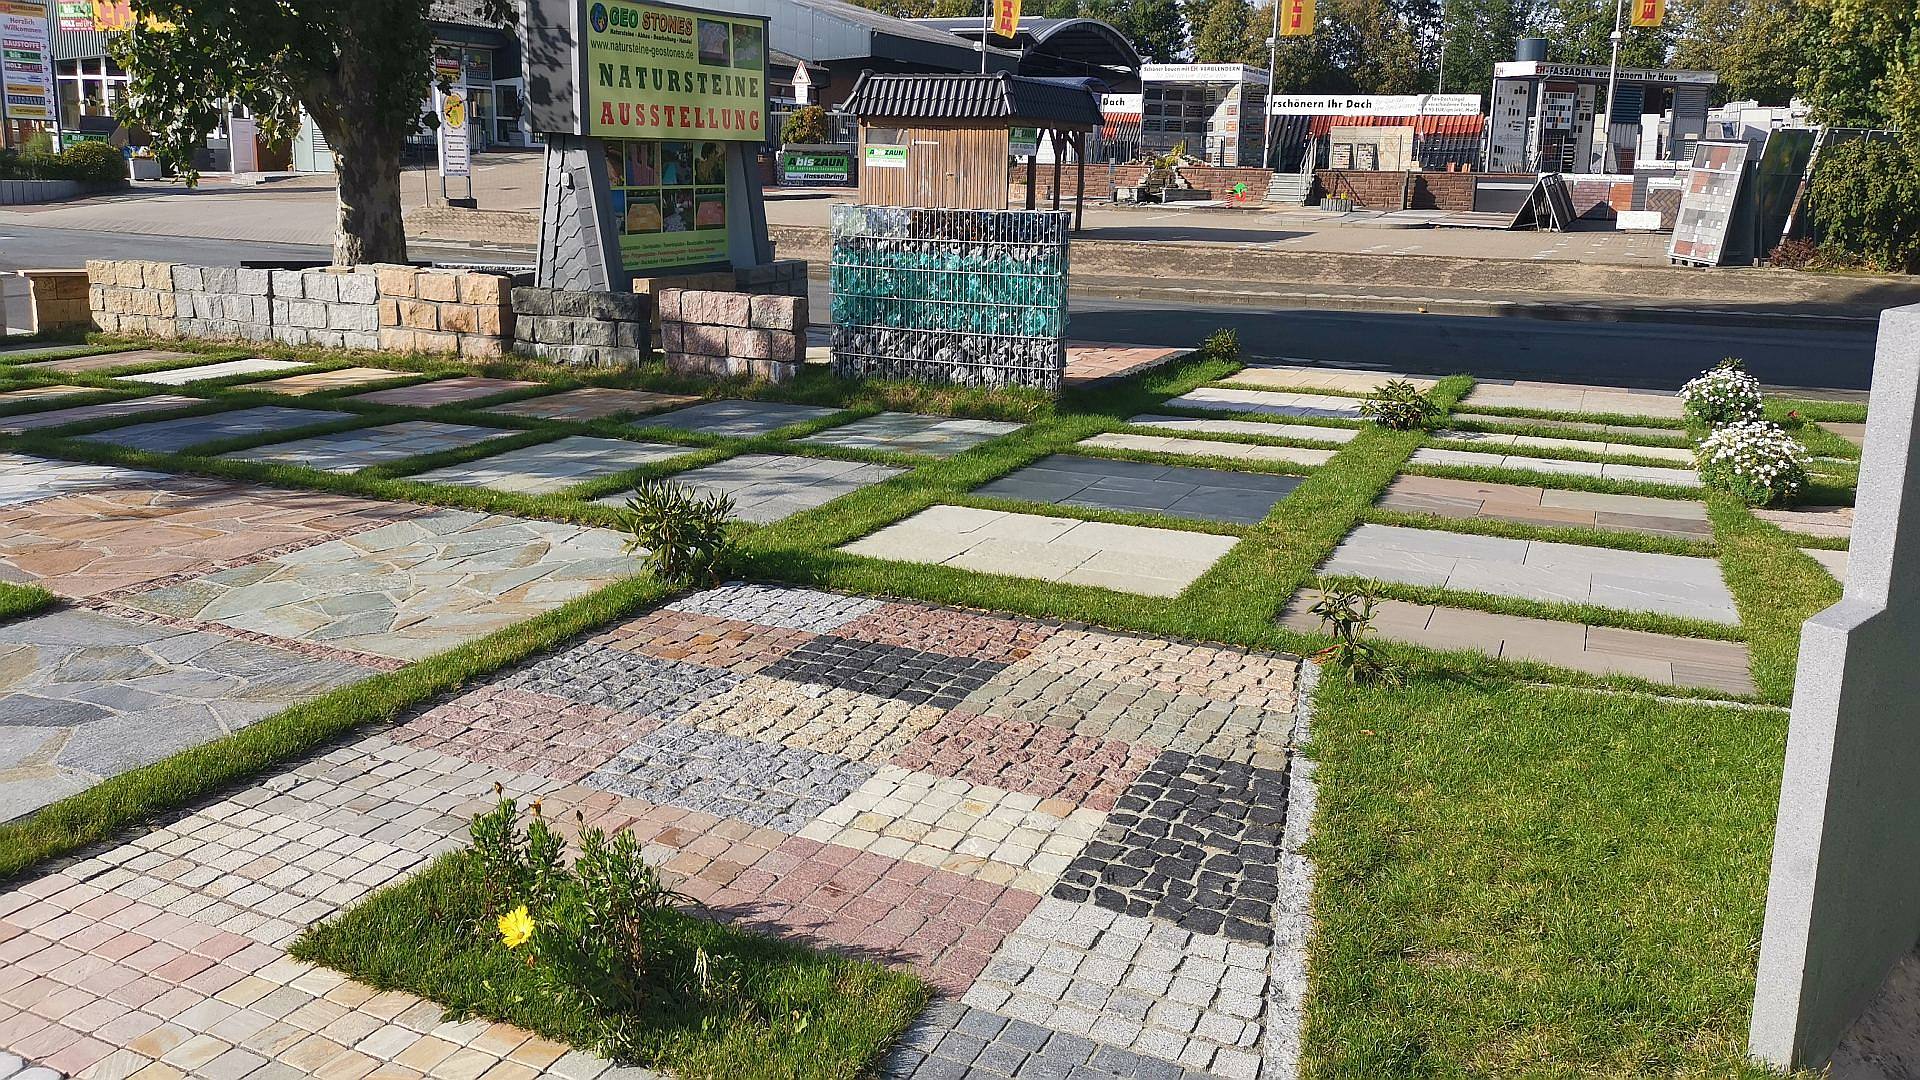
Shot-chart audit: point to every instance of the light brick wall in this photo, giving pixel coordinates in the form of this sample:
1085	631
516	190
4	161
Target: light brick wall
447	311
57	300
733	334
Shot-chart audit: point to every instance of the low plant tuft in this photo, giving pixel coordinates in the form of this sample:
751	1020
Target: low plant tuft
1754	460
681	535
1348	615
1727	394
1401	406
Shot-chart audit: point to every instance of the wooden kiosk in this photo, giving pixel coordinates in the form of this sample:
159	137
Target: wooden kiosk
944	141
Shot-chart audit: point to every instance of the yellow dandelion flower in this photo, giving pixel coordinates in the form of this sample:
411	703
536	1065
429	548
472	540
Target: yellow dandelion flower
516	927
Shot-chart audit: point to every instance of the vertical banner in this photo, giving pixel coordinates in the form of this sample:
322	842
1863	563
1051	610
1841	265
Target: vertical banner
455	151
26	60
76	16
1006	18
1296	18
1649	12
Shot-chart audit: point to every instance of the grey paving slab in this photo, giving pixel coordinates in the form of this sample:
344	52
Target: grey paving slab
1168	444
552	466
362	448
1831	521
85	695
1127	558
1853	433
1598	650
914	433
1671	435
1648	474
172	435
1272	429
24	478
737	419
224	369
592	403
1488	439
1361	381
406	590
87	414
1178	490
769	487
1834	562
1468	499
109	360
1575	398
1680	585
1274	402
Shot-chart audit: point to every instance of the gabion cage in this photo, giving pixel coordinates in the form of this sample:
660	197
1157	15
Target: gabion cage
969	297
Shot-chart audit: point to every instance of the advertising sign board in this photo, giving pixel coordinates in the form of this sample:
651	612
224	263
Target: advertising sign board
800	167
26	60
658	72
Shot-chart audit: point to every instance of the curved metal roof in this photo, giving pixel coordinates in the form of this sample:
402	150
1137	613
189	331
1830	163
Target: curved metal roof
1048	45
999	97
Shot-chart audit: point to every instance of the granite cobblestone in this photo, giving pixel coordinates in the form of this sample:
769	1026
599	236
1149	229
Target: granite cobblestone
777	605
775	787
908	675
1038	759
843	722
706	640
996	638
597	674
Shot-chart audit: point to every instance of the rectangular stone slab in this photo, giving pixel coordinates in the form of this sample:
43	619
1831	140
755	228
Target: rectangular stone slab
86	414
1648	474
1575	398
222	370
444	391
169	436
1229	399
913	433
1191	426
737	419
552	466
1179	490
1451	498
108	361
769	487
592	403
316	382
351	451
1359	381
1167	444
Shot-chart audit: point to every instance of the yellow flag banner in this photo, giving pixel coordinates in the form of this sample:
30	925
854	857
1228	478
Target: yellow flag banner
1006	18
1649	12
1296	18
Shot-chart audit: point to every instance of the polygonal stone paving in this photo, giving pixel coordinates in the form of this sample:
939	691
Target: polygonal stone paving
169	436
912	433
445	391
1179	490
552	466
771	487
86	414
737	419
363	448
592	403
24	478
224	369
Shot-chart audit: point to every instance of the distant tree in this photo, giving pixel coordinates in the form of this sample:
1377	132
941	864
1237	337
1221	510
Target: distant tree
1220	31
1862	64
1581	32
1373	44
1753	44
1157	28
805	126
360	68
1480	34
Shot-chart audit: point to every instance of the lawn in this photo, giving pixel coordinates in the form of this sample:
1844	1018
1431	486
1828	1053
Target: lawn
1524	870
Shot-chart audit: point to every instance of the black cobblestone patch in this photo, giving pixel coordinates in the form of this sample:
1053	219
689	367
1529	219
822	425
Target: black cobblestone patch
909	675
951	1041
1194	841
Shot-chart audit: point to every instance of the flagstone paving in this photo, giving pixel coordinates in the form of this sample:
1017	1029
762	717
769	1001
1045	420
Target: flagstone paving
770	487
1129	558
592	403
445	391
552	466
1469	499
134	529
1609	449
1264	429
1831	521
167	947
912	433
1179	490
1361	381
316	382
1574	398
1681	585
86	414
406	590
107	361
24	478
1274	402
1167	444
1646	474
168	436
86	695
224	369
43	393
363	448
736	419
1599	650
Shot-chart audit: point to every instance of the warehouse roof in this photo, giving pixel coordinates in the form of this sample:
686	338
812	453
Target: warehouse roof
1001	97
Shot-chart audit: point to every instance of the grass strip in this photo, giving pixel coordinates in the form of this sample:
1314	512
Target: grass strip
1776	587
19	600
768	1008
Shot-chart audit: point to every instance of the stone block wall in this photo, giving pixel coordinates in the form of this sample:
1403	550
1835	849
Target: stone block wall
733	334
222	303
446	311
588	329
132	296
336	309
57	300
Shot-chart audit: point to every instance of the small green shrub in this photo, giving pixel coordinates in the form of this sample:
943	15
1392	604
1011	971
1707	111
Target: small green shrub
1222	344
1865	196
94	162
682	533
805	126
1400	405
1348	616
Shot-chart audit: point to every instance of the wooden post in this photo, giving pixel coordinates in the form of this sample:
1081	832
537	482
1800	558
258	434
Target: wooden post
1054	138
1033	177
1080	182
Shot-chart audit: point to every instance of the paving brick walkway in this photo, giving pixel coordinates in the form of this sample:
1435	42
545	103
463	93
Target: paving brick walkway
866	775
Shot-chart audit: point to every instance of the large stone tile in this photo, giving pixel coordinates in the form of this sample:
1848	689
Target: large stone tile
552	466
1830	521
1128	558
1598	650
25	479
168	436
1575	398
1671	436
317	382
1676	454
1833	562
1271	429
1646	474
737	419
1230	400
1179	490
913	433
1466	499
1679	585
86	695
27	394
1853	433
87	414
1167	444
109	361
362	448
592	403
224	369
1358	381
406	590
768	487
444	391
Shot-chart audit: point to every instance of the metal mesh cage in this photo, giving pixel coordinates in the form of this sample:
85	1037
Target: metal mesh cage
970	297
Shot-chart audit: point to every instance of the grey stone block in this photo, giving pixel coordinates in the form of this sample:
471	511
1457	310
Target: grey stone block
251	282
593	332
630	307
572	303
308	313
286	284
353	317
320	285
358	288
532	300
188	278
221	279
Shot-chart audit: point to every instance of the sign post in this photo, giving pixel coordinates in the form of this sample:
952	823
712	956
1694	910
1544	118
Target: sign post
26	64
456	146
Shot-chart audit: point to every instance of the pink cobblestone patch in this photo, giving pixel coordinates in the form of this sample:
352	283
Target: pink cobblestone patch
1039	759
706	640
954	633
526	732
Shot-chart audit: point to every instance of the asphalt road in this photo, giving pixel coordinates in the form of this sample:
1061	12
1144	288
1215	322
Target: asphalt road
1657	355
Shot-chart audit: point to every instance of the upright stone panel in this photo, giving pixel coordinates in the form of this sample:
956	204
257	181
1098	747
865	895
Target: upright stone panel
1843	904
577	253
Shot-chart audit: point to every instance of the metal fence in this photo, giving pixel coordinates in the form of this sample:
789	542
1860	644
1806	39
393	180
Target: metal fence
969	297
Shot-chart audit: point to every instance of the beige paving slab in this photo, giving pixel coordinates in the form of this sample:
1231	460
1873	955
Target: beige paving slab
1163	444
107	361
1598	650
1195	426
315	382
1608	449
1273	402
1647	474
1360	381
43	393
593	403
1853	433
1675	436
1575	398
1466	499
1832	521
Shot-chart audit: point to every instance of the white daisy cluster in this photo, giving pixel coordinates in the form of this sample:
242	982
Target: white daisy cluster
1754	459
1722	396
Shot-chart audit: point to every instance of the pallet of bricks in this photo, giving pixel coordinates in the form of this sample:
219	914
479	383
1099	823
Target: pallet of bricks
968	297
